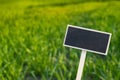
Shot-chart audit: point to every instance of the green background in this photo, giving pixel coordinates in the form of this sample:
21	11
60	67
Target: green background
32	34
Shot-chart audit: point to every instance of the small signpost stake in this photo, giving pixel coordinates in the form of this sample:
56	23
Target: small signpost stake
81	65
86	40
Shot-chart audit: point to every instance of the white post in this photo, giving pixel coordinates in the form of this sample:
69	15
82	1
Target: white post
81	65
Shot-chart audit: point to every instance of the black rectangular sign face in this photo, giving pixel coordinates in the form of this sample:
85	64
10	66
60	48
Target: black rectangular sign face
87	39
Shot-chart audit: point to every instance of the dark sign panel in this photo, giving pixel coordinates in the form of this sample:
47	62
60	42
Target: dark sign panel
87	39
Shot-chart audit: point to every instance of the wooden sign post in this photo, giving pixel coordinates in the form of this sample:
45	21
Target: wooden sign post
81	65
86	40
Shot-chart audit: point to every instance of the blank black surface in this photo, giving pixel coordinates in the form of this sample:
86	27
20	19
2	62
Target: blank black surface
86	39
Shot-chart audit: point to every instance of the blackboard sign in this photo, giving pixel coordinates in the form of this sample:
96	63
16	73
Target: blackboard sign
87	39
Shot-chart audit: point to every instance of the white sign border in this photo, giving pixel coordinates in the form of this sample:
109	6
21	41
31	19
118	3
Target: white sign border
88	30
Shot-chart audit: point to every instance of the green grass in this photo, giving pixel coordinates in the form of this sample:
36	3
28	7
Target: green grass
32	33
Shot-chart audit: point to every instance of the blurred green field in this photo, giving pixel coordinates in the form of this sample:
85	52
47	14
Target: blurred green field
32	33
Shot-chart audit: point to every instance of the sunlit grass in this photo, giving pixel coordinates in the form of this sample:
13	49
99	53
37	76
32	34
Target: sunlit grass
31	40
